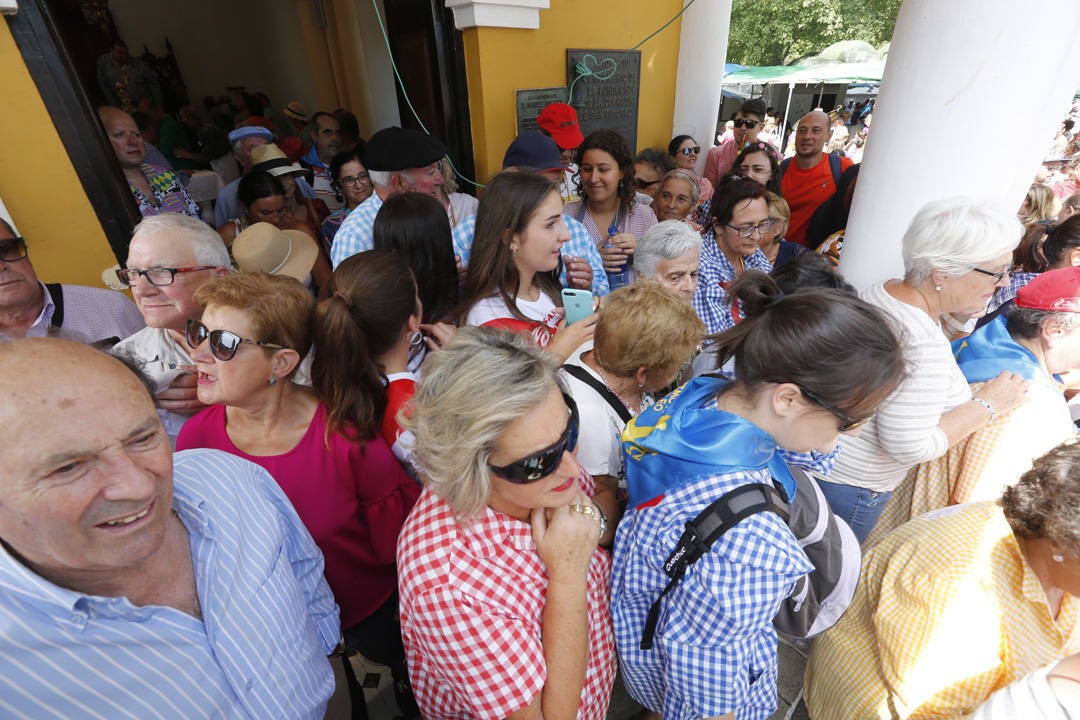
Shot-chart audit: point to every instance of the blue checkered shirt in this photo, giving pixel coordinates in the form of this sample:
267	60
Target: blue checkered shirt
356	234
711	299
1003	295
580	244
715	647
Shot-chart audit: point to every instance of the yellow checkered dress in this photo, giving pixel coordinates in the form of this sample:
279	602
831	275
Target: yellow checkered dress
947	612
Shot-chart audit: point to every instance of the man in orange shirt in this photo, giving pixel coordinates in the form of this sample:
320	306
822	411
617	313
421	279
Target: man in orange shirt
810	178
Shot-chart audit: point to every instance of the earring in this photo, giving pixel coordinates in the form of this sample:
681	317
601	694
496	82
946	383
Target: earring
416	340
938	288
1058	557
272	381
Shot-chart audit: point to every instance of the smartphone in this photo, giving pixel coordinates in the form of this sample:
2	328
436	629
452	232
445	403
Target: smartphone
578	304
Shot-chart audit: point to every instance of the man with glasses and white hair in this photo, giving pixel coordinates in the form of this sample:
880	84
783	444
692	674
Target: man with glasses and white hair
169	257
31	308
670	253
747	125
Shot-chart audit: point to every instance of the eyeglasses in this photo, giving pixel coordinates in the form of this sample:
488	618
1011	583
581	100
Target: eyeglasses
748	124
847	423
12	249
354	180
156	276
542	462
998	276
688	151
646	184
223	344
746	231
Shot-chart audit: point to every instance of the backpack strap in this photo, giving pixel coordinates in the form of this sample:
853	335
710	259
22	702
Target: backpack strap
604	391
56	292
783	167
701	532
837	171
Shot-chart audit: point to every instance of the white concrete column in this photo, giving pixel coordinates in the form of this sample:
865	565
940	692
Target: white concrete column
971	97
702	54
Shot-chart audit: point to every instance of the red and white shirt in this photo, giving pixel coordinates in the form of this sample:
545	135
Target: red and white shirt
544	317
472	604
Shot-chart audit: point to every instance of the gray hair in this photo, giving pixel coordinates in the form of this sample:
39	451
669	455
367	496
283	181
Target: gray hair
455	433
207	245
695	189
953	235
667	240
381	178
1045	502
1027	323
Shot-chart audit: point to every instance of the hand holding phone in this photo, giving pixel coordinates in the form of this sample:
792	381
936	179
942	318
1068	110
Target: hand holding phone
578	304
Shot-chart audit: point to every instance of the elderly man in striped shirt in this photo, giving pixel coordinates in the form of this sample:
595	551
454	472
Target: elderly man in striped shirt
136	585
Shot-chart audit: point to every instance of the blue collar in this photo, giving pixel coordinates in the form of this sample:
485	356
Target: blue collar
988	351
684	438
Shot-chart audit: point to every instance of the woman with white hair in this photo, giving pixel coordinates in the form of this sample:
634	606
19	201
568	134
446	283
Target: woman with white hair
504	592
957	252
670	253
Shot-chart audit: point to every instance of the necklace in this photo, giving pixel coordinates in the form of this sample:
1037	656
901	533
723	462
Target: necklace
629	406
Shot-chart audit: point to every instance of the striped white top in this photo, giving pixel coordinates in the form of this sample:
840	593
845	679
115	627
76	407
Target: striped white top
905	431
269	619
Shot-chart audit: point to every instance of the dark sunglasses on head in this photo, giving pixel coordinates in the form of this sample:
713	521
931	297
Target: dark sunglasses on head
12	249
690	150
748	124
223	344
542	463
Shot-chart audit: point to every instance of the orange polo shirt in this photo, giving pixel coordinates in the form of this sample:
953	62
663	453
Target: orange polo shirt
805	190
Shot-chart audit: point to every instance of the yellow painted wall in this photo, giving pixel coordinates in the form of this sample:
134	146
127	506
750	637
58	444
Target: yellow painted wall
502	60
38	183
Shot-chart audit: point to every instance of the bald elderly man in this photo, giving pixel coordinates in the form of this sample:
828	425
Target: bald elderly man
811	177
137	584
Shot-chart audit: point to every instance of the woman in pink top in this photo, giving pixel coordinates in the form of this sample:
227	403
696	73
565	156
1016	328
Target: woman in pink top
347	487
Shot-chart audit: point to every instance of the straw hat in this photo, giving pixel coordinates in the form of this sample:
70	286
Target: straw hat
265	248
270	158
295	111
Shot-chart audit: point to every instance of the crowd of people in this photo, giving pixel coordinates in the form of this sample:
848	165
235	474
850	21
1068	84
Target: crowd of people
613	414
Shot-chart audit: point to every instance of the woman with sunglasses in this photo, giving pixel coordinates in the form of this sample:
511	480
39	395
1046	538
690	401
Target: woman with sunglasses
685	150
352	187
957	252
809	367
504	591
608	207
513	279
347	487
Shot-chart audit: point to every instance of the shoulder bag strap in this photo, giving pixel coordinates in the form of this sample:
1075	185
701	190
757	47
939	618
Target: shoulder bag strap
56	292
605	392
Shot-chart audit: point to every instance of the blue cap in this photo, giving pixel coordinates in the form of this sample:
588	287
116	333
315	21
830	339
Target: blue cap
250	131
533	152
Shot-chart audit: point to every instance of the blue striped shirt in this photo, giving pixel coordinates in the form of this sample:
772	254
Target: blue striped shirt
580	244
269	619
356	234
711	299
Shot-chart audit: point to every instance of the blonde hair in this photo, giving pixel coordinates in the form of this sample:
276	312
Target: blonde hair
644	325
472	389
778	207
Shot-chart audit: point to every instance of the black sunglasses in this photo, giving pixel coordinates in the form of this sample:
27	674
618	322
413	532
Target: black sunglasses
645	184
847	423
542	463
12	249
223	344
688	151
748	124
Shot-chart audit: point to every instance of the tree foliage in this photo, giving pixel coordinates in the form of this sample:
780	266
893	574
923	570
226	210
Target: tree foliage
776	32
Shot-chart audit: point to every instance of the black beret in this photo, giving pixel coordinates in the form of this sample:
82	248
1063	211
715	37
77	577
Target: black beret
395	148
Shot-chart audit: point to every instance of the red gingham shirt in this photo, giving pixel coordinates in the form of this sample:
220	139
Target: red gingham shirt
472	603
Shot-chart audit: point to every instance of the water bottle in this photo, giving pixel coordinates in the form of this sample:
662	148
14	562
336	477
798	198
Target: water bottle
618	279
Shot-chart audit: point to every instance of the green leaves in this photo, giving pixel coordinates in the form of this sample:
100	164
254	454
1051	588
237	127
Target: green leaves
778	32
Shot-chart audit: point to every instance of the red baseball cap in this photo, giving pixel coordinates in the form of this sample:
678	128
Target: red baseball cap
560	121
1054	290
